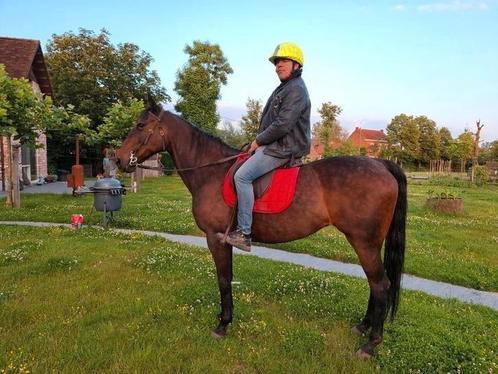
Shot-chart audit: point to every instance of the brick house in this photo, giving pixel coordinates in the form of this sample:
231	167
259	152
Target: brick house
23	58
372	141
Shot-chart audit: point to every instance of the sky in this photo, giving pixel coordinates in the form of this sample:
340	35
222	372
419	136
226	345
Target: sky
375	59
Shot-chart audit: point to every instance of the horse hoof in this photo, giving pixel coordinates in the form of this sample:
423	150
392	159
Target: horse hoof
218	334
363	355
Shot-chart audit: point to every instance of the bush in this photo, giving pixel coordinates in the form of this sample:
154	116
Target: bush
449	181
51	178
481	175
167	162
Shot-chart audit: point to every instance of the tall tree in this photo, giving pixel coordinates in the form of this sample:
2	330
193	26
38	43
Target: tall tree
403	138
445	140
250	122
199	83
475	149
429	141
462	148
92	74
328	130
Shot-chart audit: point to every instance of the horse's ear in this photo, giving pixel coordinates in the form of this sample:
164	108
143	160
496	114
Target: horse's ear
152	105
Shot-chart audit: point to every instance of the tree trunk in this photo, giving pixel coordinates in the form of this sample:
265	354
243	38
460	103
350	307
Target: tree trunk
8	162
475	153
16	192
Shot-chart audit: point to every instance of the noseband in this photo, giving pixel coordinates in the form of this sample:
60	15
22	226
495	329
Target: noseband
133	159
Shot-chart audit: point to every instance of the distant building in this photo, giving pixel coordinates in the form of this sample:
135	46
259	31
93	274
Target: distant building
371	141
317	148
23	58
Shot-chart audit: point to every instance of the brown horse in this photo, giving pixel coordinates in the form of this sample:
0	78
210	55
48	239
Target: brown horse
364	198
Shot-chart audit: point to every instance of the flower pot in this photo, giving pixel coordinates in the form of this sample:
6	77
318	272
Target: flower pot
446	205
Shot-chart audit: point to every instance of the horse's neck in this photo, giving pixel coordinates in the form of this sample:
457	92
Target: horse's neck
191	148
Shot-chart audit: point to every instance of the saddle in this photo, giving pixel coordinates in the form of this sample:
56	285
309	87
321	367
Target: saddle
273	192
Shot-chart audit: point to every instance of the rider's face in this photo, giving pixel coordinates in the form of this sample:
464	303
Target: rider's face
284	68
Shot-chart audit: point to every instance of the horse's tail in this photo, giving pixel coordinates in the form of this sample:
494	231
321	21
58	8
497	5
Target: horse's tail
394	251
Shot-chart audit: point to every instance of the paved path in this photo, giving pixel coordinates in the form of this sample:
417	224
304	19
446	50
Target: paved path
55	188
440	289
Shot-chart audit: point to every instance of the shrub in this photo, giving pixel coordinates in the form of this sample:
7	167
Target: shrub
481	175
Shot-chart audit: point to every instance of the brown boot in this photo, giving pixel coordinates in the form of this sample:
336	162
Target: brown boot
239	240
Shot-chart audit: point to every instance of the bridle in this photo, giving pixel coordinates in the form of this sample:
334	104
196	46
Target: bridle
133	159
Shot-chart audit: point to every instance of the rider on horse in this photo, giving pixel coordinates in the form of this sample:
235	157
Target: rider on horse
284	136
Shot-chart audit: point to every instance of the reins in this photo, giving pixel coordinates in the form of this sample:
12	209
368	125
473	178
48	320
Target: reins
162	168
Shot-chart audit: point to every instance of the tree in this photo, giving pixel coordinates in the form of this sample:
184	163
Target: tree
475	149
118	121
462	148
445	140
429	141
493	150
92	74
403	138
348	148
199	84
328	130
251	121
231	135
23	114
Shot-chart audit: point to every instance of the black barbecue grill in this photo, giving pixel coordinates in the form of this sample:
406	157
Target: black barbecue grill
107	197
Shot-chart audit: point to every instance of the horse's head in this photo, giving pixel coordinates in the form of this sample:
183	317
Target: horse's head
146	138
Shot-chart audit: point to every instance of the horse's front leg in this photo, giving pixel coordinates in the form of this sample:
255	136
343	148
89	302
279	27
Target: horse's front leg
222	255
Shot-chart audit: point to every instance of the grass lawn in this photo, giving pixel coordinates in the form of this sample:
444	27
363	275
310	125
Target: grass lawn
459	249
95	301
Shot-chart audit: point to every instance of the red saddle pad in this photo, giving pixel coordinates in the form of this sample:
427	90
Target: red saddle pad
277	197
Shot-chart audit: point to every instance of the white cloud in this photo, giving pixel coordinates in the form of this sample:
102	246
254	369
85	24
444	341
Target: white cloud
399	7
454	6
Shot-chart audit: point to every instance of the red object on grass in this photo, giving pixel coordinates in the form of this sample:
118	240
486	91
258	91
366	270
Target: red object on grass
77	220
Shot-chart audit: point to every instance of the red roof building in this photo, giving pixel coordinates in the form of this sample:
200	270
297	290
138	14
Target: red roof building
368	142
372	141
23	58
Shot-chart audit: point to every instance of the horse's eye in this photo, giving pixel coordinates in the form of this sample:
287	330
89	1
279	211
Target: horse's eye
140	125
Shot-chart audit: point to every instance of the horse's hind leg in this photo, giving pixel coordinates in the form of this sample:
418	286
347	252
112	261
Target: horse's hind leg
369	254
363	327
222	255
379	290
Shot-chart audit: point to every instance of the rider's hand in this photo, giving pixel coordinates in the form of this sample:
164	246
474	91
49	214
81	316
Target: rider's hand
253	147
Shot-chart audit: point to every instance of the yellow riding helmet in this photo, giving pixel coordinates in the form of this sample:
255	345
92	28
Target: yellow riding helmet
288	50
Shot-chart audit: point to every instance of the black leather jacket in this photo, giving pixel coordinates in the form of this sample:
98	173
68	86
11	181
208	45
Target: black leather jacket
285	126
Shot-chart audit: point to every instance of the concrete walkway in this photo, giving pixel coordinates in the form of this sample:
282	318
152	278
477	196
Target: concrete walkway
55	188
410	282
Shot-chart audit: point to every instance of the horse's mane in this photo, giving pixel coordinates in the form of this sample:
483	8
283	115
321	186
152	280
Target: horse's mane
202	135
204	142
